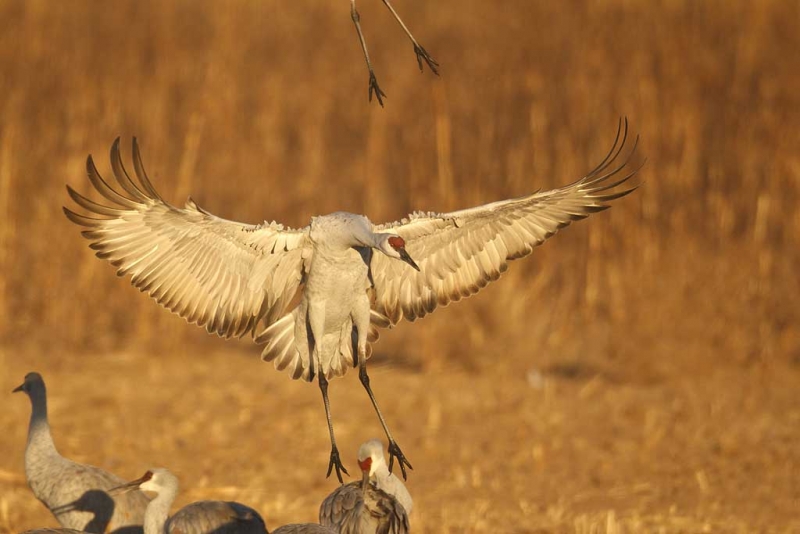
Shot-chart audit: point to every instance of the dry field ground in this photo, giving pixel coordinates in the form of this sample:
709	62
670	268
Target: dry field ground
638	373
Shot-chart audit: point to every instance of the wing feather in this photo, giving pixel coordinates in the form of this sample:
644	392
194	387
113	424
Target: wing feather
461	252
222	275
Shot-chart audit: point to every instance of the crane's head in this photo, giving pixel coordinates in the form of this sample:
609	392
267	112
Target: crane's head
371	458
155	480
394	246
32	382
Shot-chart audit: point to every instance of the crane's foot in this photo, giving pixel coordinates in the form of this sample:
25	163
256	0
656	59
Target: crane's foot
402	461
373	88
337	463
423	54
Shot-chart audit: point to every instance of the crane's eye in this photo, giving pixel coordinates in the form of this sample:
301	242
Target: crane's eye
397	242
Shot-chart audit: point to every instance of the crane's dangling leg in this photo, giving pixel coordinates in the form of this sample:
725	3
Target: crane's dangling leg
418	50
335	461
315	320
361	320
394	449
373	82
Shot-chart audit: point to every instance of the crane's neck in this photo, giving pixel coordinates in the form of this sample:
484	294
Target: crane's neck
157	512
380	473
40	441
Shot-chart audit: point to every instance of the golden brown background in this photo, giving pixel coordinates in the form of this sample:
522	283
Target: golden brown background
640	373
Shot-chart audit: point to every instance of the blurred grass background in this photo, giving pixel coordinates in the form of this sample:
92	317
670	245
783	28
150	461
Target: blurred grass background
258	109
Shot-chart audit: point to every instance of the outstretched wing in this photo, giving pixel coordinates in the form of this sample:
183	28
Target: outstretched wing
223	275
460	252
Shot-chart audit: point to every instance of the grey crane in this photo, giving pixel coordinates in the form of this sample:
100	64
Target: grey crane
234	278
202	517
53	531
75	493
304	528
421	53
379	503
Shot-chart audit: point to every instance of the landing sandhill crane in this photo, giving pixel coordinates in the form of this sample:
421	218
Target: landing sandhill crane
380	503
422	54
235	278
75	493
202	517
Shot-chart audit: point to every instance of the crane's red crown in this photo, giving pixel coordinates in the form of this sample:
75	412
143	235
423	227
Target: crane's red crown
397	242
366	463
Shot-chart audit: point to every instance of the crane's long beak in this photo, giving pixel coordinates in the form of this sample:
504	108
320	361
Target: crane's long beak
129	486
19	388
364	479
406	258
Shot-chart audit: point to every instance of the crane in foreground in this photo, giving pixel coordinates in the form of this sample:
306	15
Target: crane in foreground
422	54
353	276
76	494
53	531
202	517
305	528
378	504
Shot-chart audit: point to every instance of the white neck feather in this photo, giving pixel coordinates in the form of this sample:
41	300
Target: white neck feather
155	517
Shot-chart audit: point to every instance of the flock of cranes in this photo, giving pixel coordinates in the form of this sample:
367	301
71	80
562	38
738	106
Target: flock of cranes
87	499
352	277
315	298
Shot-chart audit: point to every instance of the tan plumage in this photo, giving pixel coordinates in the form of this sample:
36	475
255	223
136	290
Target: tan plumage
379	503
236	278
304	528
351	509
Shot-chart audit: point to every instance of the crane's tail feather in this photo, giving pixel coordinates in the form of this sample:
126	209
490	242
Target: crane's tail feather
292	355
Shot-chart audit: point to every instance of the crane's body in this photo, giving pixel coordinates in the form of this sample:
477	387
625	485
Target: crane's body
378	504
234	278
53	531
335	297
201	517
305	528
75	493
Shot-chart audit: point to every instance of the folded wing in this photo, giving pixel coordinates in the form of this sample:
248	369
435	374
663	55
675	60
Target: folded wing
220	274
460	252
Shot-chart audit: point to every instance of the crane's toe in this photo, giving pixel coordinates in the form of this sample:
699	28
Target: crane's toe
337	463
373	88
402	461
422	54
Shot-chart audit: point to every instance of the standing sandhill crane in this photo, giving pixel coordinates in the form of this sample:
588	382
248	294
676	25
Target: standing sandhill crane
421	53
380	503
75	493
202	517
235	278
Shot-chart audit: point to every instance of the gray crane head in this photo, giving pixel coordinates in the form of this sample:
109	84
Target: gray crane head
32	381
394	246
156	480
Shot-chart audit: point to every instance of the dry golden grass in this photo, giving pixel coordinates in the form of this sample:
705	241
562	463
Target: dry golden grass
638	374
